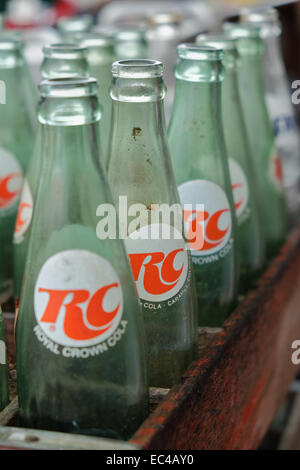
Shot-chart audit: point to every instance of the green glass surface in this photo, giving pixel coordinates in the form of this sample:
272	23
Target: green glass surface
104	393
260	131
198	154
139	167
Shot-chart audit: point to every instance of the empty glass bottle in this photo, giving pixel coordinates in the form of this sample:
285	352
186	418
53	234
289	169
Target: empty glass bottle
4	389
268	172
201	169
79	333
131	44
100	57
68	27
60	61
17	129
139	169
250	241
279	104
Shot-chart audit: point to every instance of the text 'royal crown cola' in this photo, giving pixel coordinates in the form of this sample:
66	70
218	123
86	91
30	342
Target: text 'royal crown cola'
60	61
250	241
79	334
279	102
201	169
267	163
17	129
140	172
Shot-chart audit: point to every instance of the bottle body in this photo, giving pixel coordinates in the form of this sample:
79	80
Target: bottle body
139	168
61	61
266	158
202	175
79	332
17	122
283	117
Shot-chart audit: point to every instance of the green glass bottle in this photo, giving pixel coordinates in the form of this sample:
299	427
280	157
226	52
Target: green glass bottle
79	333
100	57
60	61
250	241
139	168
68	27
131	44
201	169
17	130
267	164
4	388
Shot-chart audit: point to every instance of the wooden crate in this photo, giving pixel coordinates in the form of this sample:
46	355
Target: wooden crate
228	397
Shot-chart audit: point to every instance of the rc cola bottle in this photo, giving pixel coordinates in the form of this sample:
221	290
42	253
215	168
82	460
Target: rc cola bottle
131	44
79	333
279	104
4	389
268	170
100	57
250	242
140	172
69	27
17	129
60	61
201	169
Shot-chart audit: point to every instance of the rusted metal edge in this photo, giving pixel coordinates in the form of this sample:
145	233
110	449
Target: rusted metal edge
171	408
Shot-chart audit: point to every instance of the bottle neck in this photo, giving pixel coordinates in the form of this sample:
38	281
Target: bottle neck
197	105
138	125
69	112
11	59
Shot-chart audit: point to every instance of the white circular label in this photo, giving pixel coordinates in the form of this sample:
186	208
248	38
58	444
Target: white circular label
159	261
207	216
11	179
239	186
24	213
78	299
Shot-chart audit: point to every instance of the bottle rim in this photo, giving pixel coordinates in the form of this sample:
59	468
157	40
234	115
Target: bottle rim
9	43
64	50
70	24
95	39
130	35
198	52
220	41
241	30
68	88
137	68
260	15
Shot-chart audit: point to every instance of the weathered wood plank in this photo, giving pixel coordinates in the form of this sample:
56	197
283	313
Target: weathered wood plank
228	397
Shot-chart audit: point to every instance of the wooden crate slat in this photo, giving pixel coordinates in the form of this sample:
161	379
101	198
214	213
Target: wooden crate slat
230	395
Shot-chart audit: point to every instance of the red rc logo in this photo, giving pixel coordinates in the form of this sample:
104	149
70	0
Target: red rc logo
10	179
74	316
239	185
159	266
24	214
209	229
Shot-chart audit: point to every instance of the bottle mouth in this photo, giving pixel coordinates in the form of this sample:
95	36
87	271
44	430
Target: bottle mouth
68	88
137	68
130	35
64	51
219	41
11	43
260	15
75	24
267	19
241	30
199	52
95	40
